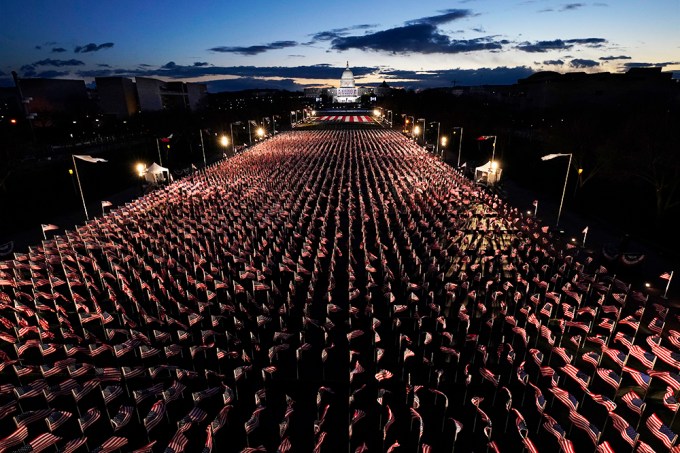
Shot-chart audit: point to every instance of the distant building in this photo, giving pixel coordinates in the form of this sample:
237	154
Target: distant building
55	96
117	94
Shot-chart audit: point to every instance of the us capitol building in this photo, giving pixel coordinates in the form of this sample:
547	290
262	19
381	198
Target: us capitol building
346	93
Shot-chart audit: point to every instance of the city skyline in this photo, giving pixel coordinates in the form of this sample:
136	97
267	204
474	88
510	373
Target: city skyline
293	45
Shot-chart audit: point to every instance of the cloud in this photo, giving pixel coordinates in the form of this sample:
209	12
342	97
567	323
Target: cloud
580	63
631	65
51	74
572	6
254	50
442	78
58	63
416	38
612	58
559	44
58	50
554	62
250	83
201	64
448	15
92	47
174	71
338	32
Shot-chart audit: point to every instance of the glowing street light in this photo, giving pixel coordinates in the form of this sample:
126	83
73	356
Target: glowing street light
416	131
224	141
260	132
141	169
553	156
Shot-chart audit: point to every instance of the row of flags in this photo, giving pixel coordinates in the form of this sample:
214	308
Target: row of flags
349	266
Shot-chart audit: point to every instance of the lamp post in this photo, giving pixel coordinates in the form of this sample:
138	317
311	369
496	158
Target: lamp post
274	123
437	145
205	164
413	123
444	141
390	117
233	142
566	178
423	136
224	141
460	142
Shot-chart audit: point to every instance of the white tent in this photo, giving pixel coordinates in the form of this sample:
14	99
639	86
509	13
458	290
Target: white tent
156	174
488	173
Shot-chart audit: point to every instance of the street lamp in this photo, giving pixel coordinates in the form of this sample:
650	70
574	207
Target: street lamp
437	145
552	156
423	120
141	169
260	132
444	141
233	142
414	134
460	142
413	123
390	117
224	142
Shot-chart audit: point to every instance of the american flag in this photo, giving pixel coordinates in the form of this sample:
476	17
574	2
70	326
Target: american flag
645	357
56	419
610	377
582	379
669	399
254	420
580	421
155	415
603	400
15	438
661	431
634	402
669	378
122	417
567	398
553	427
641	378
113	443
87	420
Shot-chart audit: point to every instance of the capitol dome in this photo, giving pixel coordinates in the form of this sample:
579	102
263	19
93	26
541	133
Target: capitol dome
347	79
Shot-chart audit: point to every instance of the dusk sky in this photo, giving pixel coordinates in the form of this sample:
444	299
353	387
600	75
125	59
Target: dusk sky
292	44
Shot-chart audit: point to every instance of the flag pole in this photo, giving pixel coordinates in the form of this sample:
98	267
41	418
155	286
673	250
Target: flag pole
158	148
585	234
665	293
80	188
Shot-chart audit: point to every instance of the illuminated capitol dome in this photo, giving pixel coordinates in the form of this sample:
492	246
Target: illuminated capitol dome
347	92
